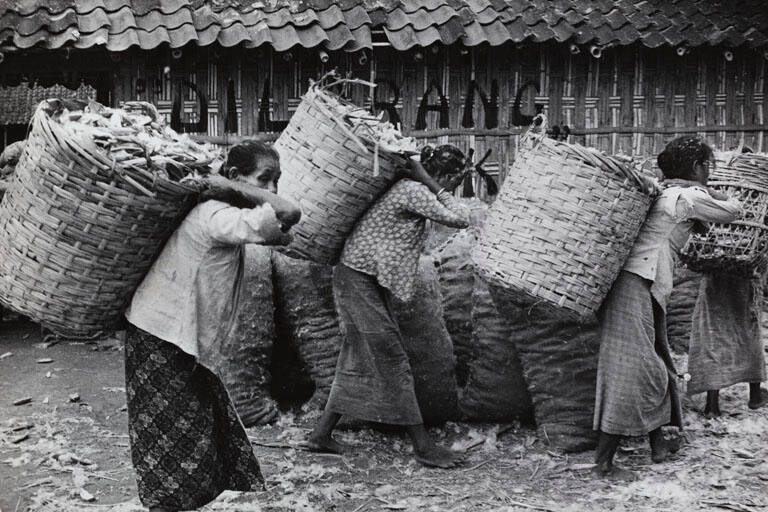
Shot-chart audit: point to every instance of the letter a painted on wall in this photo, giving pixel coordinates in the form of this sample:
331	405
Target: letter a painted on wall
425	106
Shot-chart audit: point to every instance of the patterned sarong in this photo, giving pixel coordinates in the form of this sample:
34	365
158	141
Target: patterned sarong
187	442
636	380
726	347
373	379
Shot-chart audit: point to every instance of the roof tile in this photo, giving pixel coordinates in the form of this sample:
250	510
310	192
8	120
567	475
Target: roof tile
347	24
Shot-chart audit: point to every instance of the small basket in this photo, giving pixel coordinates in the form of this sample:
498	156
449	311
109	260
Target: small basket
77	232
740	247
331	172
562	226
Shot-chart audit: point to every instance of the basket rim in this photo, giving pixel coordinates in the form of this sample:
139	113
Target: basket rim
328	98
94	152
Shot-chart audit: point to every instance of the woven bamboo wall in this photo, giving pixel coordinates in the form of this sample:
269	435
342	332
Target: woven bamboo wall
631	100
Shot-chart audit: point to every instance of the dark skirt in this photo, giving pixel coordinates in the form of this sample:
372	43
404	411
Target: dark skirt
187	442
726	346
636	379
373	379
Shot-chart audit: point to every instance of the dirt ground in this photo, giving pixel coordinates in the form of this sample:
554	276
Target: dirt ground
67	449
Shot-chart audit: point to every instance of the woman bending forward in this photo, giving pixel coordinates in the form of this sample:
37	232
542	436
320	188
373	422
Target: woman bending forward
636	387
373	379
187	442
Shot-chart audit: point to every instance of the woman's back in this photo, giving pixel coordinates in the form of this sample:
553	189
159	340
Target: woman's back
388	239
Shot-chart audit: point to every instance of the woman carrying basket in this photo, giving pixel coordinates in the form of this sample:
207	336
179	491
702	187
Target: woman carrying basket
373	379
187	442
636	387
726	345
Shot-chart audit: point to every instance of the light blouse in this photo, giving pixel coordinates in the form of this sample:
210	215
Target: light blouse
666	230
190	294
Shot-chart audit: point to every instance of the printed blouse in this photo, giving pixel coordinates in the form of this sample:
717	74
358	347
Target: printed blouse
387	241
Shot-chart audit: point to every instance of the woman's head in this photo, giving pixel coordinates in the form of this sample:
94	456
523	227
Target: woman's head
443	162
687	158
255	163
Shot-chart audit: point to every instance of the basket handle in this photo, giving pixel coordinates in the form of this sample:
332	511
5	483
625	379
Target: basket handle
535	133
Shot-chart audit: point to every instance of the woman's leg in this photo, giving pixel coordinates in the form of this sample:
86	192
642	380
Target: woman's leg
607	444
321	440
428	452
758	397
712	407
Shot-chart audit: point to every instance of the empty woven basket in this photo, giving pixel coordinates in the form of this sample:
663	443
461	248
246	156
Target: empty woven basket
741	246
329	172
562	226
76	234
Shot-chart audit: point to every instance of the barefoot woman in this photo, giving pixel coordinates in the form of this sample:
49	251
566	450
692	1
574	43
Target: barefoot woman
373	376
187	442
636	387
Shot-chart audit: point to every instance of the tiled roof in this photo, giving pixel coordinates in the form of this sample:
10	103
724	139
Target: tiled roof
20	101
348	24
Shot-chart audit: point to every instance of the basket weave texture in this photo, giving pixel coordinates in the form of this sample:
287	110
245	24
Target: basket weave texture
739	247
329	175
561	227
76	238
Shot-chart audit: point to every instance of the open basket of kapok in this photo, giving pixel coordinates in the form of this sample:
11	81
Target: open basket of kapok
95	194
336	160
563	224
741	246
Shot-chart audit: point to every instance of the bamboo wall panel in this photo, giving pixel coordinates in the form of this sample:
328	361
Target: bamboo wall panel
632	100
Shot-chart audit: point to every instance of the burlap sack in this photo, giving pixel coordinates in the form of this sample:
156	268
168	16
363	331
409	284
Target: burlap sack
559	359
495	390
244	357
307	320
450	249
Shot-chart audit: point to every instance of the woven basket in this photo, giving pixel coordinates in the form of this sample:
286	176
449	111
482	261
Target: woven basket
333	174
741	246
76	233
562	226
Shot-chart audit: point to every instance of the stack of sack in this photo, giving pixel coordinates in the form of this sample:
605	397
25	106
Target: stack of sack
244	357
488	370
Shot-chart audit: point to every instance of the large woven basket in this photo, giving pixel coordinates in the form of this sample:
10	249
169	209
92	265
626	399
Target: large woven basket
333	174
562	226
741	246
76	233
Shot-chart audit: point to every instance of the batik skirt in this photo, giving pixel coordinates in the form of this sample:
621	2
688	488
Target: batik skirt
187	442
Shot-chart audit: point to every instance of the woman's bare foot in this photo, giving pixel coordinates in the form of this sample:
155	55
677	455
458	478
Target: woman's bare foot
611	472
761	400
438	457
325	444
660	452
710	415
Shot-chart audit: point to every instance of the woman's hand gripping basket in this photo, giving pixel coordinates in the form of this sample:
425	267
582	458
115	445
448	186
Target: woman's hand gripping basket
336	161
742	246
95	194
562	225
